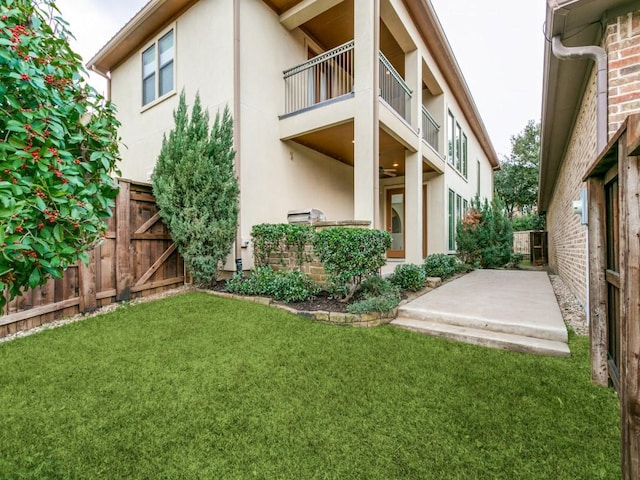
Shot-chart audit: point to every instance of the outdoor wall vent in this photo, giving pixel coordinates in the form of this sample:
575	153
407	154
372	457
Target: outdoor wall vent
305	215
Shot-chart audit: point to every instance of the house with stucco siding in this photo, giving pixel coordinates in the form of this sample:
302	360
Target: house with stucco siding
356	108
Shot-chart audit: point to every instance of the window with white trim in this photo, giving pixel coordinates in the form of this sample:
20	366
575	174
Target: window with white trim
458	207
158	69
458	146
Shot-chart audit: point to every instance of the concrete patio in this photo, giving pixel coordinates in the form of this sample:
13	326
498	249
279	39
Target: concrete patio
504	309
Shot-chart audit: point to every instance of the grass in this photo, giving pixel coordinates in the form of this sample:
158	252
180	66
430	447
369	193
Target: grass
196	386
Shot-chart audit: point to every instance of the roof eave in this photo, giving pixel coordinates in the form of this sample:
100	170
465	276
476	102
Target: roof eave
153	16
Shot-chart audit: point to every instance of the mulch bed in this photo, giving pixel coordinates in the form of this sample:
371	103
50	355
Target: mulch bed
321	302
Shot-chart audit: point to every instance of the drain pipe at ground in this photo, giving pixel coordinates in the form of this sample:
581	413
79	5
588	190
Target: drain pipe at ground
599	55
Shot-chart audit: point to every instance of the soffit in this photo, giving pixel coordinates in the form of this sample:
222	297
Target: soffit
578	23
337	142
332	27
155	15
281	6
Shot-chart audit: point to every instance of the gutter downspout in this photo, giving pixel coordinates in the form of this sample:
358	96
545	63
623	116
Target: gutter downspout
237	127
599	55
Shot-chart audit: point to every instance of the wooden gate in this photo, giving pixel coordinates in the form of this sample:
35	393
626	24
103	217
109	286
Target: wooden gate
137	258
614	280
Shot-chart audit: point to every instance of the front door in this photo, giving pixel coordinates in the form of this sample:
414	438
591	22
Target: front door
395	222
612	275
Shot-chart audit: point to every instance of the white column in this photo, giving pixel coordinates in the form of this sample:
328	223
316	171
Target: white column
366	149
413	165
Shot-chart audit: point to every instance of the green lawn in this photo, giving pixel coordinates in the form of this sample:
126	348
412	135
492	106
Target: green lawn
196	386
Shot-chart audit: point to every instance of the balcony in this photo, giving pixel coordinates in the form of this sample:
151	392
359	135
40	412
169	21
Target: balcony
330	76
394	90
430	129
323	78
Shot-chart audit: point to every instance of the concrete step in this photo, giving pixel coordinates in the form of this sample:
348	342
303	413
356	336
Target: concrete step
546	331
485	338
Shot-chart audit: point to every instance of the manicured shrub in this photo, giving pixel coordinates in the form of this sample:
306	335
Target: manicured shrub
375	294
441	265
376	286
196	189
409	277
350	256
484	237
259	282
287	286
382	304
293	286
269	239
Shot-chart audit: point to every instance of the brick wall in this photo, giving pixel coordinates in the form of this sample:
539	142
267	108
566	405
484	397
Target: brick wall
622	42
567	237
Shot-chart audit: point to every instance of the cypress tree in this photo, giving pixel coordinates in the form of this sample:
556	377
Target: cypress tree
196	188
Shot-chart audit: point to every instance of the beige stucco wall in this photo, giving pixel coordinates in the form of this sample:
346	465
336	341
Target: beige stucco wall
202	32
276	175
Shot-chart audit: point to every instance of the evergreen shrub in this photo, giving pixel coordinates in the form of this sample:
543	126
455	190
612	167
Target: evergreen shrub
409	277
196	189
441	265
287	286
375	294
484	236
350	256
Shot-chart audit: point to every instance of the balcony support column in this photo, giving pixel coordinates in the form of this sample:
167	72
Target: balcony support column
413	166
366	121
413	77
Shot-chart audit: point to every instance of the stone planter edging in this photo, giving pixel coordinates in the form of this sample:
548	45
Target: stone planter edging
334	318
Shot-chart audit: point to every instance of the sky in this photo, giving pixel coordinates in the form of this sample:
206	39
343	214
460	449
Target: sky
499	46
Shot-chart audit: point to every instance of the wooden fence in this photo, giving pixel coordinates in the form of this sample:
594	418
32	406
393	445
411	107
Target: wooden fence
521	243
136	259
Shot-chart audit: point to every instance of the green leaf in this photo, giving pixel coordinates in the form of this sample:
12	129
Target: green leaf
57	233
34	278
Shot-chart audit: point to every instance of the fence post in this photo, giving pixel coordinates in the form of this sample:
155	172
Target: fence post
123	242
87	273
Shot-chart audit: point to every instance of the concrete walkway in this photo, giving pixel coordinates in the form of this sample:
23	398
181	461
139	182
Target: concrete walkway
506	309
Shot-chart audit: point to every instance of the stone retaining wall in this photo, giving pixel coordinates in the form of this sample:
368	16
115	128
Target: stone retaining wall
335	318
287	259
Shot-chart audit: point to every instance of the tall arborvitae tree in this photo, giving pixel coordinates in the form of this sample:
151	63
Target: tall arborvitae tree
196	188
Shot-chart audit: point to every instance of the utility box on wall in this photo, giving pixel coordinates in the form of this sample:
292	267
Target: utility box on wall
538	247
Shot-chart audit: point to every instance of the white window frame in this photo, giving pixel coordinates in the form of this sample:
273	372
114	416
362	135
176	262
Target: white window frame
155	44
458	146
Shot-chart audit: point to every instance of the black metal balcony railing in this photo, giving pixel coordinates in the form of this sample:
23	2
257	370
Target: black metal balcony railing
331	75
430	129
394	90
322	78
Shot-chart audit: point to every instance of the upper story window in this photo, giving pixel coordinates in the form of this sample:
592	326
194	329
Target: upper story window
158	69
458	146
